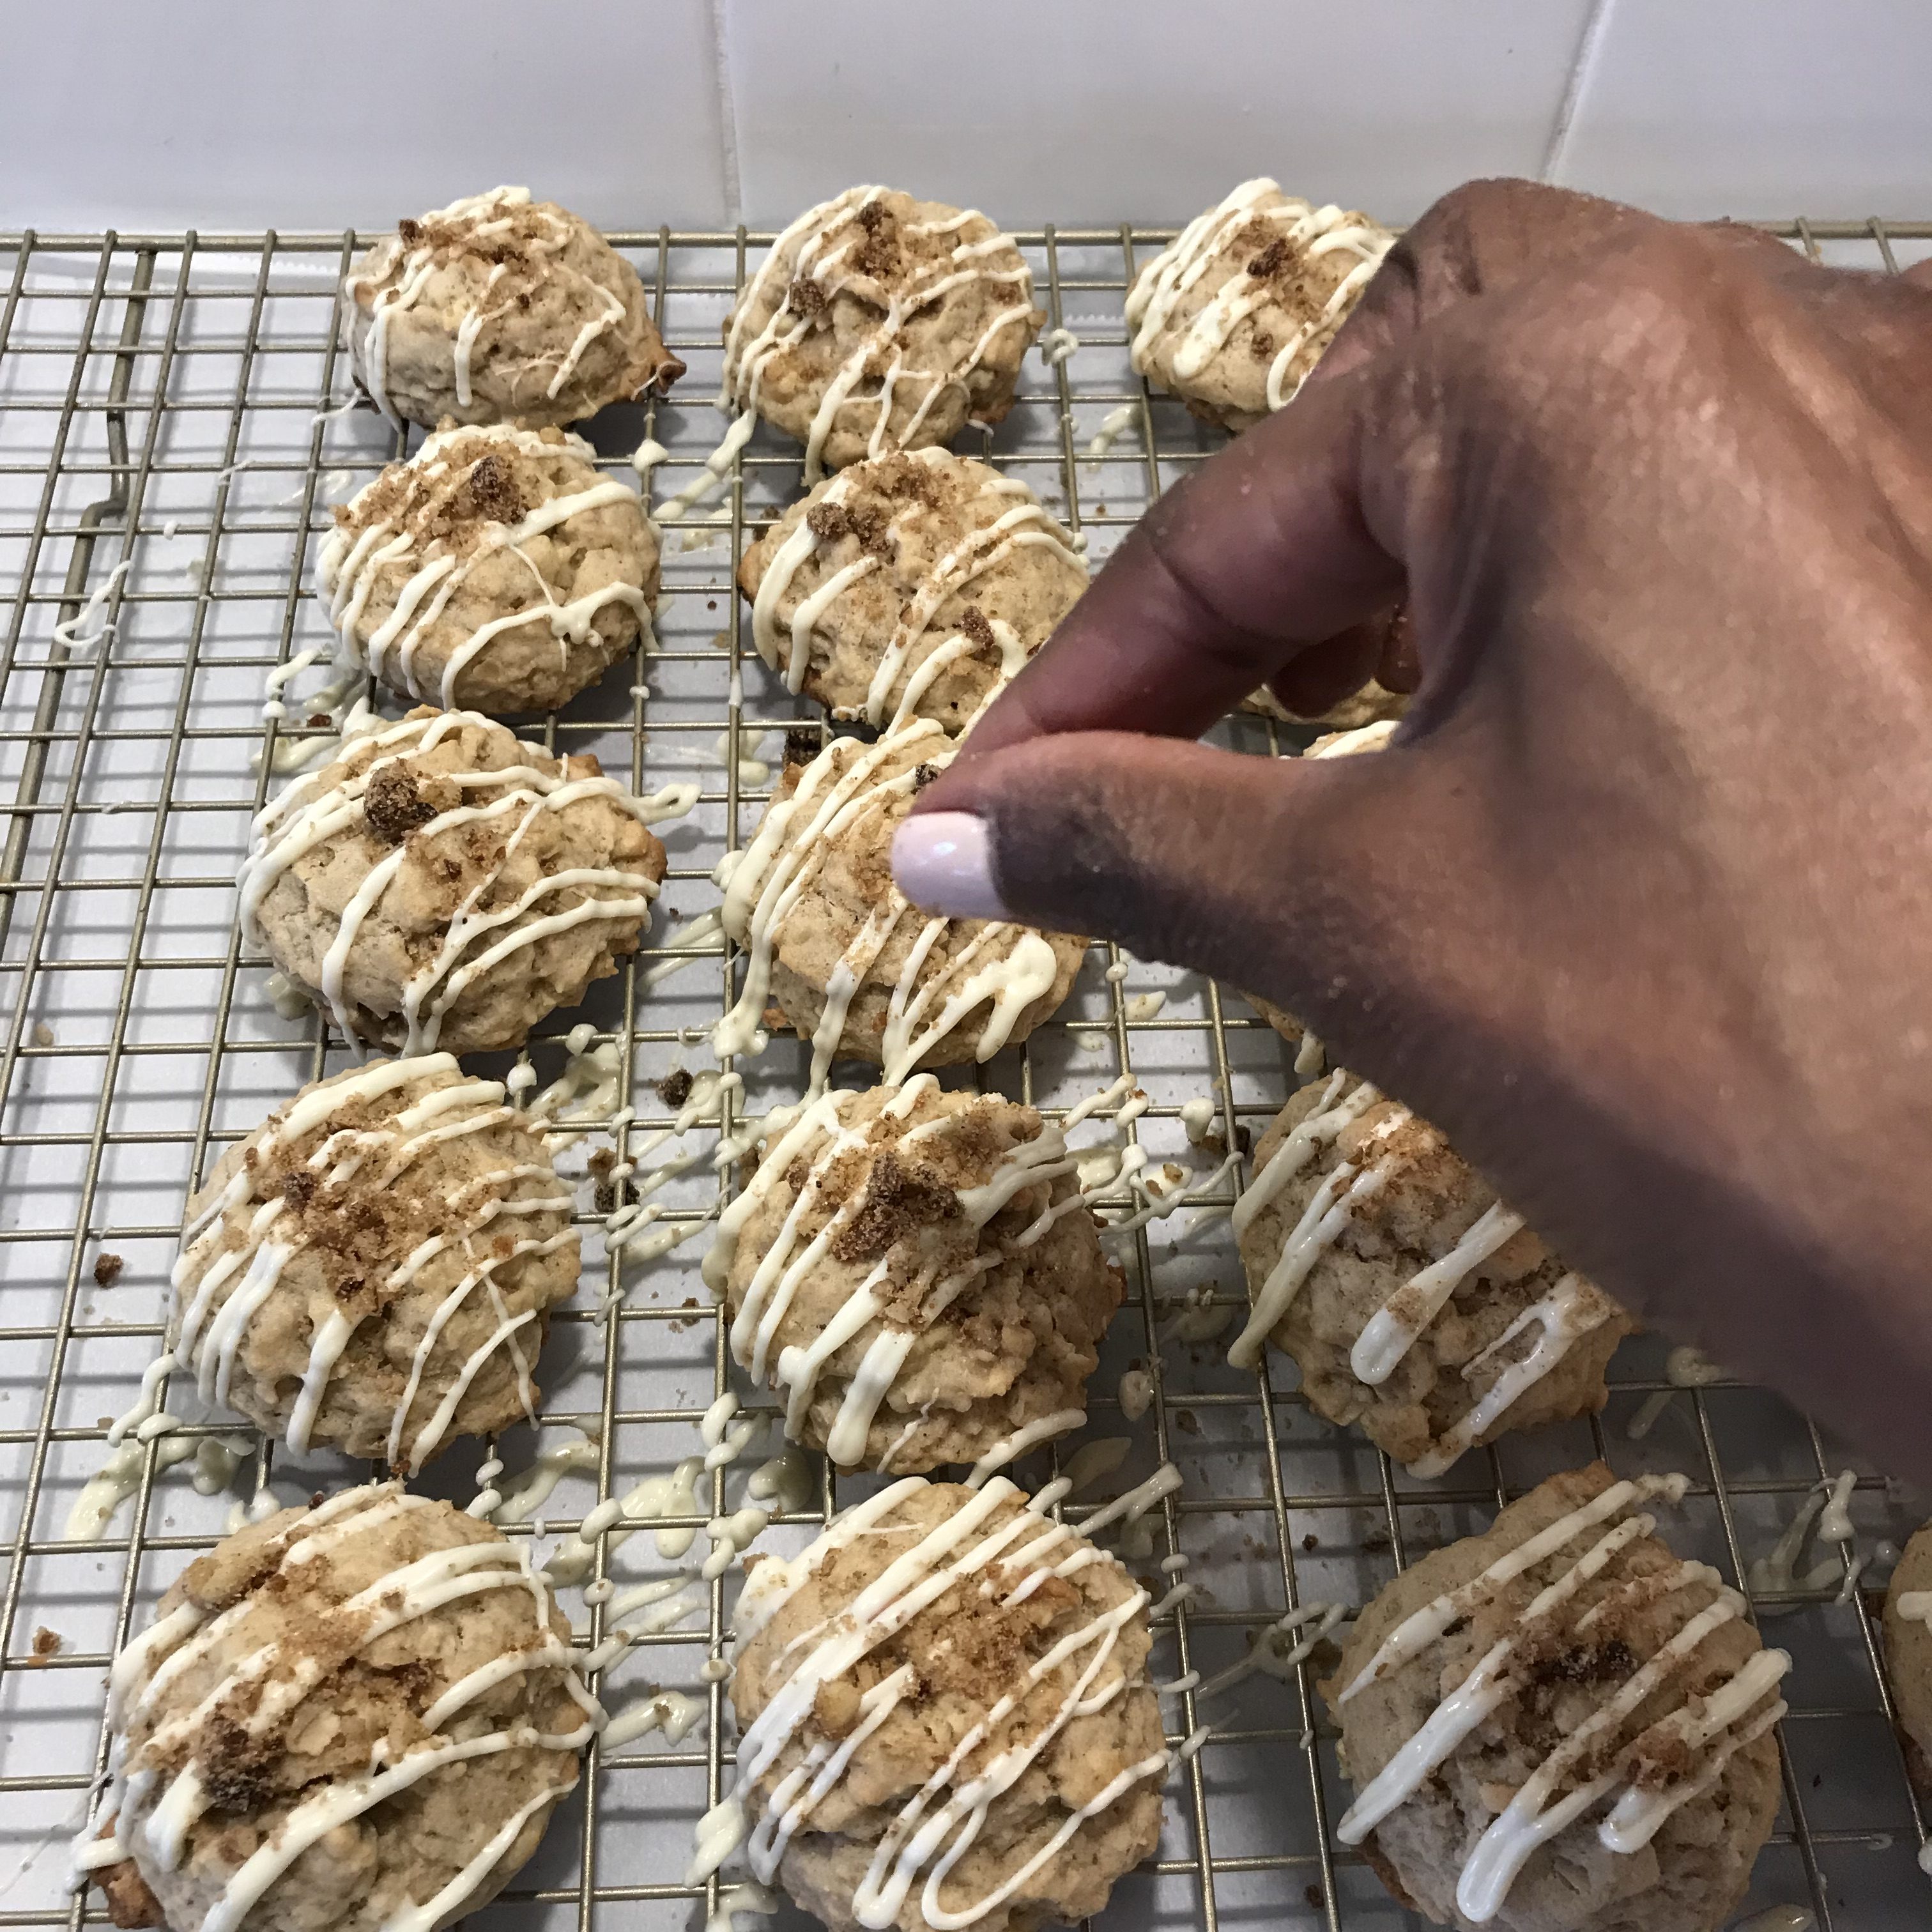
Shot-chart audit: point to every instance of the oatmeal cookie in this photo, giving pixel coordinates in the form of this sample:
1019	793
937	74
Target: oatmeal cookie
495	571
1232	316
1413	1301
954	1292
1908	1644
931	1634
373	1267
500	309
443	884
879	323
911	587
351	1717
1557	1726
851	964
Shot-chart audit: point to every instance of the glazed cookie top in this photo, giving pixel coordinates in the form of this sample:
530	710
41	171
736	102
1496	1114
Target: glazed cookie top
913	586
879	323
373	1266
381	1675
814	893
923	1266
1235	313
1399	1226
442	881
968	1679
534	313
490	566
1545	1721
1908	1637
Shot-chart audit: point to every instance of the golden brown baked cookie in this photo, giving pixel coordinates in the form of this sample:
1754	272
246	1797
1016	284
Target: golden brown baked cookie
495	571
356	1716
1413	1301
1232	316
854	967
1557	1727
917	1273
373	1267
930	1635
911	587
1908	1641
500	309
879	323
443	883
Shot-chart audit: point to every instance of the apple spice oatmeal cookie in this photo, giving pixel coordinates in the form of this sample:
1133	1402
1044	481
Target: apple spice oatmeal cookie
918	1273
914	586
1232	316
1908	1647
852	966
1557	1726
500	309
944	1718
352	1717
1412	1299
495	571
373	1267
442	883
879	323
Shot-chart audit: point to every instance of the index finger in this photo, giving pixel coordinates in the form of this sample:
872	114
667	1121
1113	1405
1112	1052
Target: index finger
1262	553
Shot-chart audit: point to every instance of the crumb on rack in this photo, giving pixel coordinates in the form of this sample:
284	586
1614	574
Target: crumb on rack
674	1089
46	1644
107	1270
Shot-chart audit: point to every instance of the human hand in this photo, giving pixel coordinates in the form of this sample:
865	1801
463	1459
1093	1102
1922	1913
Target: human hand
1634	908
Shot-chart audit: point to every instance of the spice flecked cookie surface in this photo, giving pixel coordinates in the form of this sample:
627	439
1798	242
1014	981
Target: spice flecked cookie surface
500	309
1413	1301
354	1718
495	571
373	1267
914	586
944	1718
879	323
443	884
1557	1726
918	1275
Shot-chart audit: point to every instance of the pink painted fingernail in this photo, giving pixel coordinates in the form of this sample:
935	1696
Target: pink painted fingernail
943	862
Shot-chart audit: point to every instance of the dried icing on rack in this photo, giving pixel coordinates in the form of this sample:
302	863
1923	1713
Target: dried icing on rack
351	561
304	817
1721	1721
1162	286
935	1828
402	271
806	253
1003	967
248	1263
188	1633
786	644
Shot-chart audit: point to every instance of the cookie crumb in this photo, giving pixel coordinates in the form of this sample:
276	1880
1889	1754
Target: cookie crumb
805	297
1271	260
46	1644
802	746
973	621
674	1089
107	1270
492	492
409	231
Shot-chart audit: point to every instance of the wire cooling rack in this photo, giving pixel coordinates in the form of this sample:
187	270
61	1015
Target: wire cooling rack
171	438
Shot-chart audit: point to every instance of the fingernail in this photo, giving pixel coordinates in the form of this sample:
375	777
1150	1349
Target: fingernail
943	862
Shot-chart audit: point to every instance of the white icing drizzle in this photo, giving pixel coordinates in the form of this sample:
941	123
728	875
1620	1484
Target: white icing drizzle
1166	280
808	252
1825	1513
1719	1723
352	559
672	1712
1280	1647
1136	1394
475	219
1004	967
1027	525
211	1325
936	1827
304	817
188	1633
1113	425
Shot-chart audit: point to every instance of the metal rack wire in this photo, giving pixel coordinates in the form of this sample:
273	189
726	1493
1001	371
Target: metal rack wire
170	440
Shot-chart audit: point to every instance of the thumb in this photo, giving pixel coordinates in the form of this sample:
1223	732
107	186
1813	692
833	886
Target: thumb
1284	877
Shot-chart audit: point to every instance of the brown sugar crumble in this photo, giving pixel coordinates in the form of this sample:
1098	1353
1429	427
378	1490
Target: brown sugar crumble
46	1644
674	1089
898	1201
107	1270
805	297
829	522
394	806
409	231
973	621
491	493
1271	260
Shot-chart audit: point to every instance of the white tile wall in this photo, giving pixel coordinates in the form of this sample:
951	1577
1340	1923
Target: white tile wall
699	112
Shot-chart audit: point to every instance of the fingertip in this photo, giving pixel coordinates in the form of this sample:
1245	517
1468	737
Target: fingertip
942	861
